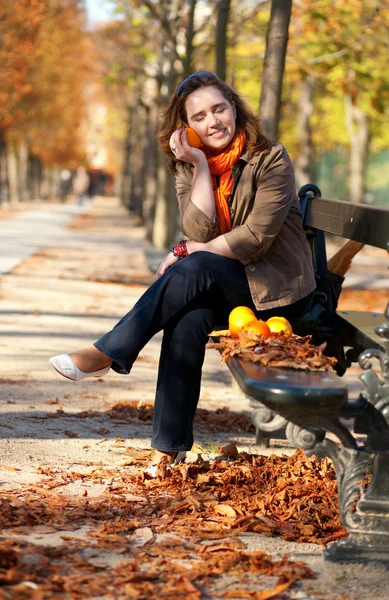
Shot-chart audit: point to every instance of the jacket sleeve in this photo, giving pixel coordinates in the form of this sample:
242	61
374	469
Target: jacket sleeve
275	194
195	224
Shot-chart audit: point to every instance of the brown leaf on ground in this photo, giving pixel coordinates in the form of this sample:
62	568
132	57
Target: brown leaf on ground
9	468
51	401
71	434
229	450
225	510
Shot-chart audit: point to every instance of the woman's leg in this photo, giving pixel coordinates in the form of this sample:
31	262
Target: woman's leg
179	377
90	359
170	298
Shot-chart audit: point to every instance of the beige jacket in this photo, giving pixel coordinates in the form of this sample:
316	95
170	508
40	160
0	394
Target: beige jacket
267	234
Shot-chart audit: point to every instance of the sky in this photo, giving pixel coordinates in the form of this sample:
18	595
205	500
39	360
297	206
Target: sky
98	11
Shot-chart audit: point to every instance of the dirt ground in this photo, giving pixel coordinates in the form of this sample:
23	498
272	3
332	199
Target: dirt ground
61	298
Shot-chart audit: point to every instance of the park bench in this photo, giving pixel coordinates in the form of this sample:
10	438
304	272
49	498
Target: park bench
306	406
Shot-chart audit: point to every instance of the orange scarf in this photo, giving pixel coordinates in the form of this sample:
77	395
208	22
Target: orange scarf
220	165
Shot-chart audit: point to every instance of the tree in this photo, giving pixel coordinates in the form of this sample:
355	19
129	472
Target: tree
274	65
342	49
43	56
169	31
221	38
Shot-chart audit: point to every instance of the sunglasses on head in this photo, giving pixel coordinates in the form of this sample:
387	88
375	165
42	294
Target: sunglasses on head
181	86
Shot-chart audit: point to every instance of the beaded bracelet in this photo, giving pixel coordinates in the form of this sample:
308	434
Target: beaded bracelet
180	250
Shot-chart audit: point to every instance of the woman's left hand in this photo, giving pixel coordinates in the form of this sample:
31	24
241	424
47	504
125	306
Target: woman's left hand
165	264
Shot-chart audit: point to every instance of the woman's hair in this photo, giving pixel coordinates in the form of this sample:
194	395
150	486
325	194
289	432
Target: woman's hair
175	114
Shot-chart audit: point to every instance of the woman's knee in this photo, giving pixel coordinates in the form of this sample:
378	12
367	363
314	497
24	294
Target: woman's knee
195	324
199	262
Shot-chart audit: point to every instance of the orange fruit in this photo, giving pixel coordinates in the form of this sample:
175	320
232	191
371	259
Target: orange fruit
192	137
238	318
259	327
280	324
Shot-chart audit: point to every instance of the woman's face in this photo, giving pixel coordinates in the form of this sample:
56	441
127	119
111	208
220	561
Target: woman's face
212	116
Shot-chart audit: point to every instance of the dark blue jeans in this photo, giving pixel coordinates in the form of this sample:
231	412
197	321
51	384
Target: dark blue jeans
186	303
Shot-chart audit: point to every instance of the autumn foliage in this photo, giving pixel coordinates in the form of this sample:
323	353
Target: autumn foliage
44	58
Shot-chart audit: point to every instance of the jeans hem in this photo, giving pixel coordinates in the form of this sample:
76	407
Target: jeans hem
165	449
116	366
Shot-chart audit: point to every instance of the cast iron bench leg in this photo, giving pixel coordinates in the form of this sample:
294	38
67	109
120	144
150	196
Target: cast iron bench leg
364	510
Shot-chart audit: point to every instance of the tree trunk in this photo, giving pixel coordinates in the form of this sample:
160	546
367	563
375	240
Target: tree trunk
138	162
358	128
3	170
164	227
55	183
151	175
12	172
23	169
126	177
45	183
274	65
304	162
133	157
221	38
187	61
166	208
35	177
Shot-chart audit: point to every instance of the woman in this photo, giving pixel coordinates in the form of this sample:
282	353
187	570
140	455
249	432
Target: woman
246	246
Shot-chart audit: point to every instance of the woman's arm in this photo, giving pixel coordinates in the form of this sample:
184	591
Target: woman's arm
202	192
218	245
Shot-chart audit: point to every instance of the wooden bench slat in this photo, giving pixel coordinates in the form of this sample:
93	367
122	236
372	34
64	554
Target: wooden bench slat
358	222
365	323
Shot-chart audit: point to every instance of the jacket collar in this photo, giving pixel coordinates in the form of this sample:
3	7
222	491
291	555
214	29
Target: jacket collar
246	158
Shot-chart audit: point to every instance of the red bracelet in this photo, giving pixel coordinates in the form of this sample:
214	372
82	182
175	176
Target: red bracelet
180	250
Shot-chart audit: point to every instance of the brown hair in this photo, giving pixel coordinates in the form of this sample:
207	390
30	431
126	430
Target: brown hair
175	114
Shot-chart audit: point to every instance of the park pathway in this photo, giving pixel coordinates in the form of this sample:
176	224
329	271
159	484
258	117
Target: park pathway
22	234
69	273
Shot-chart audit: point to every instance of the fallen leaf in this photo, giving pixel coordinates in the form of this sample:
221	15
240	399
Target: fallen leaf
225	510
229	450
10	468
71	434
143	535
51	401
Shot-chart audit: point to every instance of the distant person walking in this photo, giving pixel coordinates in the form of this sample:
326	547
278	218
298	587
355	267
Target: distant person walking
81	184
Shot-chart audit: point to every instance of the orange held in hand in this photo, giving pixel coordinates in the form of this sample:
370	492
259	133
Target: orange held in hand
280	324
259	327
192	137
239	317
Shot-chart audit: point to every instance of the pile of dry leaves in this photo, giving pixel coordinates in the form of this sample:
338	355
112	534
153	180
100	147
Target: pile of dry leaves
276	351
172	537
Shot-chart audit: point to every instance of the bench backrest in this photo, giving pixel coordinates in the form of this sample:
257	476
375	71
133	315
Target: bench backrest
358	222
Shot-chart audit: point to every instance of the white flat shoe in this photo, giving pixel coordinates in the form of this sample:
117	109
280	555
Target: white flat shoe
64	365
151	470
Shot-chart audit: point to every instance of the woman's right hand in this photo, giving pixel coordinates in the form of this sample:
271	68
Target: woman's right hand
168	261
183	151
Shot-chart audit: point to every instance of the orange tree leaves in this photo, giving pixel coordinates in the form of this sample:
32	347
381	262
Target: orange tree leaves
20	21
44	57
